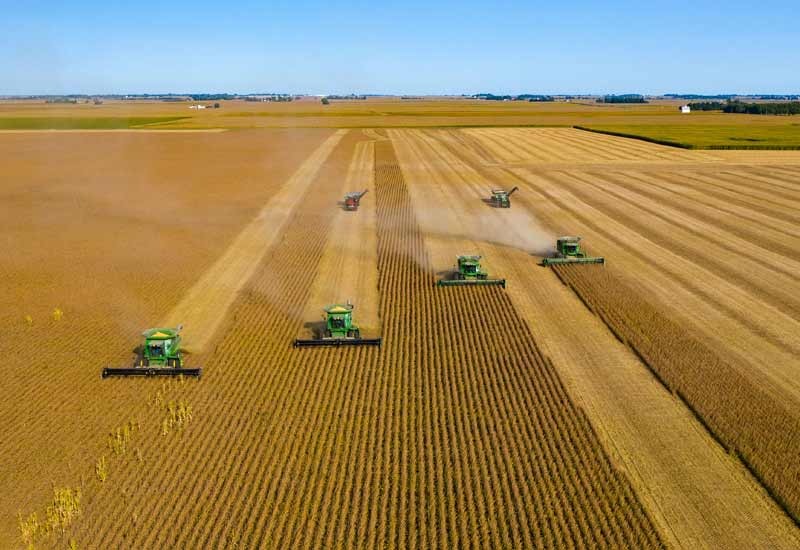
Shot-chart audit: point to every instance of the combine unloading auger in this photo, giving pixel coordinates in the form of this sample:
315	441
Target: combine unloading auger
339	330
501	198
568	251
352	200
470	274
159	356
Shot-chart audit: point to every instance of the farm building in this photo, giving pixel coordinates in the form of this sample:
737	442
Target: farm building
685	109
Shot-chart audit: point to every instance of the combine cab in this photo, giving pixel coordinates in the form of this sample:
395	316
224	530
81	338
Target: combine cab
160	355
568	251
470	273
501	198
351	200
339	330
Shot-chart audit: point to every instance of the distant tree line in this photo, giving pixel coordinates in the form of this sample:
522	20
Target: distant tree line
706	105
351	96
786	108
766	97
521	97
623	98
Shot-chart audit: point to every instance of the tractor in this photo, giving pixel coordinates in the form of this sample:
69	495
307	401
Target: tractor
159	355
501	198
469	273
351	200
568	251
339	330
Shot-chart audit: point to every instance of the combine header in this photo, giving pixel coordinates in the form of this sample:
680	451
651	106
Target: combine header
469	274
159	356
351	200
339	330
501	198
568	251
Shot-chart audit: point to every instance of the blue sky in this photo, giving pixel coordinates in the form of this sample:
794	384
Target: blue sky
411	47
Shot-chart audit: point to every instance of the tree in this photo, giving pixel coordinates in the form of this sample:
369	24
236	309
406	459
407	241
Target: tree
325	101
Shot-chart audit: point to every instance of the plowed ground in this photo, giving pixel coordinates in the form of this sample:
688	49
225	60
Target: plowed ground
489	417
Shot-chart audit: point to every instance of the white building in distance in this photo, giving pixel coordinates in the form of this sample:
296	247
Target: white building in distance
685	109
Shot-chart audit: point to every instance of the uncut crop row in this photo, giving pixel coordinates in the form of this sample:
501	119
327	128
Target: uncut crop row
456	433
740	413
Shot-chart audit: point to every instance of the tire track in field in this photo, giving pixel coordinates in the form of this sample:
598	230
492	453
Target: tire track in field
669	189
761	272
205	304
772	184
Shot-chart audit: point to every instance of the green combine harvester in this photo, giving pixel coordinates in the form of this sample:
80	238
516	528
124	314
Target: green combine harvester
339	330
159	356
501	198
568	251
470	274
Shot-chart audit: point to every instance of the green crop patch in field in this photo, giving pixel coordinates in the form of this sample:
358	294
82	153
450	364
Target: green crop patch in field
705	136
81	123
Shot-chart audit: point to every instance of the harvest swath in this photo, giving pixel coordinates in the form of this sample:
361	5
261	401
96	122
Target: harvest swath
489	417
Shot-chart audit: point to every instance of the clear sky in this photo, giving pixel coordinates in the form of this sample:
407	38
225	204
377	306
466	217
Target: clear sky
411	47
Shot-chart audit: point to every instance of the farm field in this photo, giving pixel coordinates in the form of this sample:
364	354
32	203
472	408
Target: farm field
490	417
659	120
716	136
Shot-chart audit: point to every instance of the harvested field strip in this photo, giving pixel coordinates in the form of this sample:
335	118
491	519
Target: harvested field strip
757	270
664	189
709	185
763	432
348	268
698	192
729	298
204	306
733	327
745	189
771	180
759	187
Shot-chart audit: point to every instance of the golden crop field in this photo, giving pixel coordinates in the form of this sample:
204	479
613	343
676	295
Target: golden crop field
647	403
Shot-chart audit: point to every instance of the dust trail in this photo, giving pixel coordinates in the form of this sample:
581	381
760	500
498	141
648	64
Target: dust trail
451	199
515	228
203	307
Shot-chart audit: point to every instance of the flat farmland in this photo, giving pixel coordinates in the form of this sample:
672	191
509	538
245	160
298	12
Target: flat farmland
530	416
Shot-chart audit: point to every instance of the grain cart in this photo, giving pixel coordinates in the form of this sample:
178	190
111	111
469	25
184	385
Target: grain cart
159	356
470	273
501	198
351	200
568	251
339	330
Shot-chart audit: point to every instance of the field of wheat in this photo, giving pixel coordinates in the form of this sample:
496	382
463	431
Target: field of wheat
631	409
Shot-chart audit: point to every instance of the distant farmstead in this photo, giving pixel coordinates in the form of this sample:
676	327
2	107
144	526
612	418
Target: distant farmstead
197	106
686	109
